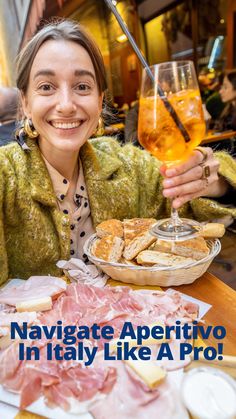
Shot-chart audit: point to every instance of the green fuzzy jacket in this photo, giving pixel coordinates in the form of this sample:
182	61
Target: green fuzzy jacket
122	182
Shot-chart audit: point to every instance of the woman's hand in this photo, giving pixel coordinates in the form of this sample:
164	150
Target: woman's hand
198	176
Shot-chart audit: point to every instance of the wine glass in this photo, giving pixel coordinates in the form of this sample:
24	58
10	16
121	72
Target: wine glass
171	124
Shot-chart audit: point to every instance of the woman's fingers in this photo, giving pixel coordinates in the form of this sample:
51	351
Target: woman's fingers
185	189
197	173
191	191
178	202
194	160
189	176
188	180
191	179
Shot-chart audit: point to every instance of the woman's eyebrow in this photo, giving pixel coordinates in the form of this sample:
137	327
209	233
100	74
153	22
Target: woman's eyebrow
77	73
44	73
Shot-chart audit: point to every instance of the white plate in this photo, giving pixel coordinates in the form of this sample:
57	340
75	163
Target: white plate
37	407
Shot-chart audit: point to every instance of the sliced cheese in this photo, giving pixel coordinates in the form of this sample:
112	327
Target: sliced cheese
148	371
37	304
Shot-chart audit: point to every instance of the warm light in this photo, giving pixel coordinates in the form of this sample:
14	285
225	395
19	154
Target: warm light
222	21
121	38
114	2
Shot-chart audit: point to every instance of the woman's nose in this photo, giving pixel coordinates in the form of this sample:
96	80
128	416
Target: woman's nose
65	102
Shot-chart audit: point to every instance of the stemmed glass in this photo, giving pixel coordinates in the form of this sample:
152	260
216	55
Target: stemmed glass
170	126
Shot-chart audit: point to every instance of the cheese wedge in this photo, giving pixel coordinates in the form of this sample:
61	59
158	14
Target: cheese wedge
148	371
37	304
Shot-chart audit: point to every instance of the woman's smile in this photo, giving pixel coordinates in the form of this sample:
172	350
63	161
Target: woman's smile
66	125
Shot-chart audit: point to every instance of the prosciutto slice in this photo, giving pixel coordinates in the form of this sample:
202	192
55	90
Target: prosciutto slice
34	287
130	398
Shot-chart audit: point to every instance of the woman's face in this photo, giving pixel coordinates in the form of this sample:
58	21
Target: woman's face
62	98
227	91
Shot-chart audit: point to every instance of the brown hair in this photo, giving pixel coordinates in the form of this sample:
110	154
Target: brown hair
59	29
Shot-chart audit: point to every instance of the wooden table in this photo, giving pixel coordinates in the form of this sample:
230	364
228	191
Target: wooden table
214	136
213	291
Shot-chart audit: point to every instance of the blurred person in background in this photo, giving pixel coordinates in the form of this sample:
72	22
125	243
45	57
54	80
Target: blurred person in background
227	118
8	112
214	104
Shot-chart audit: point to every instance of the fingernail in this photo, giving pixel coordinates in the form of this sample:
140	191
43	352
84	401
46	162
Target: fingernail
170	172
166	192
168	182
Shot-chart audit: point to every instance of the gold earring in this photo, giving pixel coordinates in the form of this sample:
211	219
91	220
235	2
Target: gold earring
100	128
29	129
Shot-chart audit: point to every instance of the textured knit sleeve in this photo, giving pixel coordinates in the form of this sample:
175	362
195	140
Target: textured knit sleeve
3	252
227	167
208	209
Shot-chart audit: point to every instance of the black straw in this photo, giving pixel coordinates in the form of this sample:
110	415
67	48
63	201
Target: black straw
144	62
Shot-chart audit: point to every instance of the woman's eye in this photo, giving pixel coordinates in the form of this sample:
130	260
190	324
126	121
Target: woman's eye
83	87
45	87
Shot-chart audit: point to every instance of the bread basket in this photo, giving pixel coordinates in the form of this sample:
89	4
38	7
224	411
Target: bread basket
157	275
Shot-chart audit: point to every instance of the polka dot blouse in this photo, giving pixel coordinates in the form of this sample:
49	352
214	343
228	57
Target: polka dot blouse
76	207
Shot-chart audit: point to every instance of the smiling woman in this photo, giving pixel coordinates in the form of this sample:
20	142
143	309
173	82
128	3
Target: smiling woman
57	184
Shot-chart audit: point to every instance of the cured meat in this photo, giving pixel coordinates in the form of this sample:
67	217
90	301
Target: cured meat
7	318
81	384
64	382
131	399
34	287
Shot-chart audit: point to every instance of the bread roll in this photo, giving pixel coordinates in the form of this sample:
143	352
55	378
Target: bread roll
109	248
195	248
135	226
212	230
110	227
139	243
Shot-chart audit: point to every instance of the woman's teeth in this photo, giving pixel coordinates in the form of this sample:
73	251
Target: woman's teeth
66	125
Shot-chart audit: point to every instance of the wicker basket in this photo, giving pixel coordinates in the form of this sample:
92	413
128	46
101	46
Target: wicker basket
157	275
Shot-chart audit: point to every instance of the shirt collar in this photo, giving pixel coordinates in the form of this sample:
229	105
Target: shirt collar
61	184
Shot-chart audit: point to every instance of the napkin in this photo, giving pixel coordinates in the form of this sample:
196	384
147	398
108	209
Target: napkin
78	271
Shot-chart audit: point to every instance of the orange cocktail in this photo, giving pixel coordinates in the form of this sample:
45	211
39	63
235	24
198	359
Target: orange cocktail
158	132
170	126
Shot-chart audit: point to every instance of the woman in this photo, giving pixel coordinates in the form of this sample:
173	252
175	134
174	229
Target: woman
227	119
53	193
